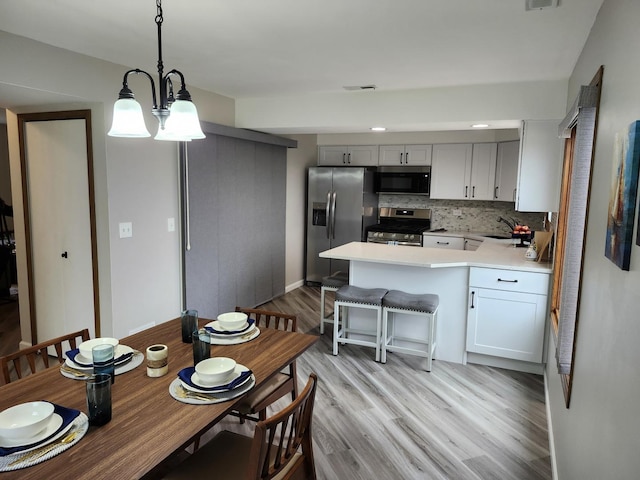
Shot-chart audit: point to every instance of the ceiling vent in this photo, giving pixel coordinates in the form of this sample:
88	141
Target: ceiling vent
539	4
360	87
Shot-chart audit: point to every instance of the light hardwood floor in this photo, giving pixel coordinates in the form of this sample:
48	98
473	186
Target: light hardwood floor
395	421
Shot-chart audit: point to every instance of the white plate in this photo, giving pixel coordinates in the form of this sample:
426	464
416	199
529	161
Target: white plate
234	339
120	351
217	397
240	331
196	381
135	361
50	429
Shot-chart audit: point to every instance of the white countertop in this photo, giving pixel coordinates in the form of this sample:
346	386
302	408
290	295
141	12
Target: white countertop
491	253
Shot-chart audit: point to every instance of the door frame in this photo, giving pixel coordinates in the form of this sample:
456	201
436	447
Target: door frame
44	117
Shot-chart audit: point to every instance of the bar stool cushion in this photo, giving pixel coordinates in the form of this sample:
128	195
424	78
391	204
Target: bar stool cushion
370	296
427	302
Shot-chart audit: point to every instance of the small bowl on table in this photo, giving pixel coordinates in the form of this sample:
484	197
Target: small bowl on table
215	370
86	347
25	420
232	320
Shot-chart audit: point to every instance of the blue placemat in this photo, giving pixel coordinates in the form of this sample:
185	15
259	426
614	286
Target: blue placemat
72	354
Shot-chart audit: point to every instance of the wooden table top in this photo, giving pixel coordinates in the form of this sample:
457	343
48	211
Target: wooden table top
147	425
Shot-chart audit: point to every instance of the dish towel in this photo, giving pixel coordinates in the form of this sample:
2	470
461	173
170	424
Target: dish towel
186	373
68	415
250	323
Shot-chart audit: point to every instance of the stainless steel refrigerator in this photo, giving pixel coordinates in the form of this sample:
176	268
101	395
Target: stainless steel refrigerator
341	204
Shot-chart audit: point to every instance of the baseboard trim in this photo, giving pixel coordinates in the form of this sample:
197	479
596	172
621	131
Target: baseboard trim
552	446
293	286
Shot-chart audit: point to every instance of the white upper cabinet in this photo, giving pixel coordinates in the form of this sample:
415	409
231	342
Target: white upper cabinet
507	171
540	169
483	171
451	171
348	156
405	155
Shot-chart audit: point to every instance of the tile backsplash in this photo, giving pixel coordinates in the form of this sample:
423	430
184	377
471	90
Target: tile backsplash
475	216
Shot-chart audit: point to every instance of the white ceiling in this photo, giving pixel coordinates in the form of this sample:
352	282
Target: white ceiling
254	48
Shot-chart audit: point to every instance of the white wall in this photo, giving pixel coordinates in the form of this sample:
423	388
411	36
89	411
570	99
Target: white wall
598	437
298	160
136	180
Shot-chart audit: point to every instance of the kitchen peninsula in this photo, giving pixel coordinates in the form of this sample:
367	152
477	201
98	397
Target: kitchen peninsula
493	302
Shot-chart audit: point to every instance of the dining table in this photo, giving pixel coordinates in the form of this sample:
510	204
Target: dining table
148	425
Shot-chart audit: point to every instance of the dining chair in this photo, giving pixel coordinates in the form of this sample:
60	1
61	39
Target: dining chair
273	453
37	356
282	383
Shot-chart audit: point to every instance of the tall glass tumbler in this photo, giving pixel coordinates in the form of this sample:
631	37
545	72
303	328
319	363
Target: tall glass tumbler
104	361
201	346
189	324
99	399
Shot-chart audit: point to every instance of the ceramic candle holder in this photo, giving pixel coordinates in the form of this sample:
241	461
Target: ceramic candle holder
157	360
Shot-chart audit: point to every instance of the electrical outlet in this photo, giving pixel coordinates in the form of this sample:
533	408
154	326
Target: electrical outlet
457	212
171	224
126	229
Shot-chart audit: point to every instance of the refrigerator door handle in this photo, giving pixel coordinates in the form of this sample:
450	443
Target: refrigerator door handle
333	215
328	214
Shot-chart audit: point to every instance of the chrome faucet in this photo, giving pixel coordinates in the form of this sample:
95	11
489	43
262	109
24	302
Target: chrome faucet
507	223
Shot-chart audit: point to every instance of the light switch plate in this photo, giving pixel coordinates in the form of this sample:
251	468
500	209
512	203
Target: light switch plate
126	229
171	224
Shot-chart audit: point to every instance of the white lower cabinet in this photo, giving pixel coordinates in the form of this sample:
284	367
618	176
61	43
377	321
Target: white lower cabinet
441	241
507	313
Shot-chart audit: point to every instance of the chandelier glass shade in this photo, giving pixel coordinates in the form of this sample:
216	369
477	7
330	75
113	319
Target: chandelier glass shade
177	116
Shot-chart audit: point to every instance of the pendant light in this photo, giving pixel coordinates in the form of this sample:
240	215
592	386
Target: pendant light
177	116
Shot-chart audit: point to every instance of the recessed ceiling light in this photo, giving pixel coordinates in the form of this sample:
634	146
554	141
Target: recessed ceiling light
480	125
378	129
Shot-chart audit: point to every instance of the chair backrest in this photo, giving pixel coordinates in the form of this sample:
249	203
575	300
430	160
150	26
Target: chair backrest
277	439
269	319
37	356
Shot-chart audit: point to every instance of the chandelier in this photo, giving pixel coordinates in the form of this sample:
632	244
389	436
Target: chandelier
177	115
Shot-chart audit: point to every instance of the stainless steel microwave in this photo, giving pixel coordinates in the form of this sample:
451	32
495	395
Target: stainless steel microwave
403	180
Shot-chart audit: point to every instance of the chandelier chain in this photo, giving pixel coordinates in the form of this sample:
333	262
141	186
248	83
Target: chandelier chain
159	17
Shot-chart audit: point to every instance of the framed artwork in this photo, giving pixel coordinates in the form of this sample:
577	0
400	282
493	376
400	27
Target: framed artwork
622	196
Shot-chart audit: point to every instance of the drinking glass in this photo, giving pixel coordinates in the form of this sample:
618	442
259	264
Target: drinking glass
201	346
99	399
189	324
103	360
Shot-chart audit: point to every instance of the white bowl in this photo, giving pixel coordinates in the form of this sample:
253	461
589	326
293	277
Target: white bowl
216	369
25	420
232	320
86	347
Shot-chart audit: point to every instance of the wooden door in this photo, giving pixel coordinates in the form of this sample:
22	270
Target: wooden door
58	196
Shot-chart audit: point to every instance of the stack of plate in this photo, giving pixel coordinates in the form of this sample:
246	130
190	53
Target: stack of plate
126	359
197	391
220	335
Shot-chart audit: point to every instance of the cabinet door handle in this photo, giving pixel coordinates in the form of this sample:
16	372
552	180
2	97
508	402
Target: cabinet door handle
507	281
401	159
406	158
473	294
466	191
349	159
514	194
344	158
495	194
473	192
442	243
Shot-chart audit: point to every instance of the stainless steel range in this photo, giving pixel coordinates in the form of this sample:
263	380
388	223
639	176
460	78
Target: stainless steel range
400	226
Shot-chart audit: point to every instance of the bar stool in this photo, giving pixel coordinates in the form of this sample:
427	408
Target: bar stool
355	297
424	305
330	283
